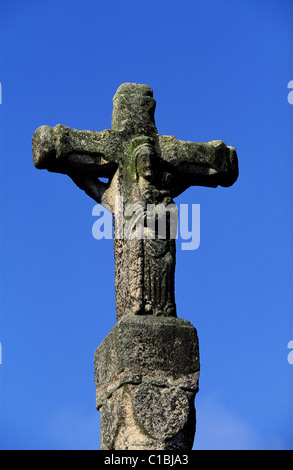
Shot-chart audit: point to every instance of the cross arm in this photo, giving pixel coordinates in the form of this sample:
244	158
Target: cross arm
209	164
85	156
61	148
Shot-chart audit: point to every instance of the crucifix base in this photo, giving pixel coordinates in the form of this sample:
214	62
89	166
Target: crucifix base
146	374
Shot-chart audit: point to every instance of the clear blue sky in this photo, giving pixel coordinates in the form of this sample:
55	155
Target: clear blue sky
219	70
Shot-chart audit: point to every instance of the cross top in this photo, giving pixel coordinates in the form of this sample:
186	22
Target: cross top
143	168
134	110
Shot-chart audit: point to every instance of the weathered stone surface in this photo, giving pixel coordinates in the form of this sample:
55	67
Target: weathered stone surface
144	168
147	372
147	368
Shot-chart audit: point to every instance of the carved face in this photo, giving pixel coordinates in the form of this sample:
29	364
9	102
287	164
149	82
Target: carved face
145	155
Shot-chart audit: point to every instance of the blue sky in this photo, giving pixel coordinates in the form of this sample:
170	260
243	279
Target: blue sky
219	70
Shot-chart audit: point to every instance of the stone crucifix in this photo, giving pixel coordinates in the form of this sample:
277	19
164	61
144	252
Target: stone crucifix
144	169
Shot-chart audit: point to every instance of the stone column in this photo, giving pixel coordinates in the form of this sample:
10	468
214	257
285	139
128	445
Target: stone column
146	374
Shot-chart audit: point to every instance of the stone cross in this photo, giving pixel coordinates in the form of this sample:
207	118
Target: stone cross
147	368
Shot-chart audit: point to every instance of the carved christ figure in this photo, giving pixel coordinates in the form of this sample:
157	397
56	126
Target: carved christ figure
144	169
149	255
